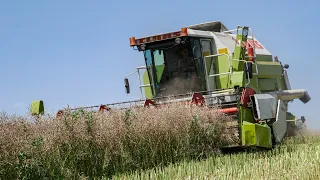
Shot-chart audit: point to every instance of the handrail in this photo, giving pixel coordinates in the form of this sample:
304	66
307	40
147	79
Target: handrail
252	34
257	71
142	67
142	85
205	67
247	67
230	68
254	48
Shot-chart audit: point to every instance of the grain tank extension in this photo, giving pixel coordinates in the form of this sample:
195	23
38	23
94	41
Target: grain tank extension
211	65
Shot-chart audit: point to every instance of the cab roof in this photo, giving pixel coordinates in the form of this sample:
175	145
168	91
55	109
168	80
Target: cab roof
215	26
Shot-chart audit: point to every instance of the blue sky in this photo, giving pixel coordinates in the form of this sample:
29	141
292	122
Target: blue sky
77	52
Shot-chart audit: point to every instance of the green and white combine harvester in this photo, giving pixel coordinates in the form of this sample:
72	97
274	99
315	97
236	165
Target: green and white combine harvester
210	65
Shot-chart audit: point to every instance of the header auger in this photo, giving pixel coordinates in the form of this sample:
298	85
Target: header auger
213	66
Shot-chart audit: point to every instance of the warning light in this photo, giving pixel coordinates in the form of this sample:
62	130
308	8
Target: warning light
184	32
133	41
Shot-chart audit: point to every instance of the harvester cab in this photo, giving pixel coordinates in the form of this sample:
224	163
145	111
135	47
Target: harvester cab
210	65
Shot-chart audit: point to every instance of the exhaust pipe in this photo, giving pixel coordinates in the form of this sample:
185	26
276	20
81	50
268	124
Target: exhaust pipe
288	95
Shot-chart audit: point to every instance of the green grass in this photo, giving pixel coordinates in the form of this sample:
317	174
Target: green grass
298	158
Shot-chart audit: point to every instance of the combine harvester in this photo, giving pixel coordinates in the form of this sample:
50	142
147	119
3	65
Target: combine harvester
208	64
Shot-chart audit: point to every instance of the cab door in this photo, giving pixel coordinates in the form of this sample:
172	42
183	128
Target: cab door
208	63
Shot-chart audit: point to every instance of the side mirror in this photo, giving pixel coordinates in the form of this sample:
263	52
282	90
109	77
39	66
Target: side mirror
248	69
127	85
